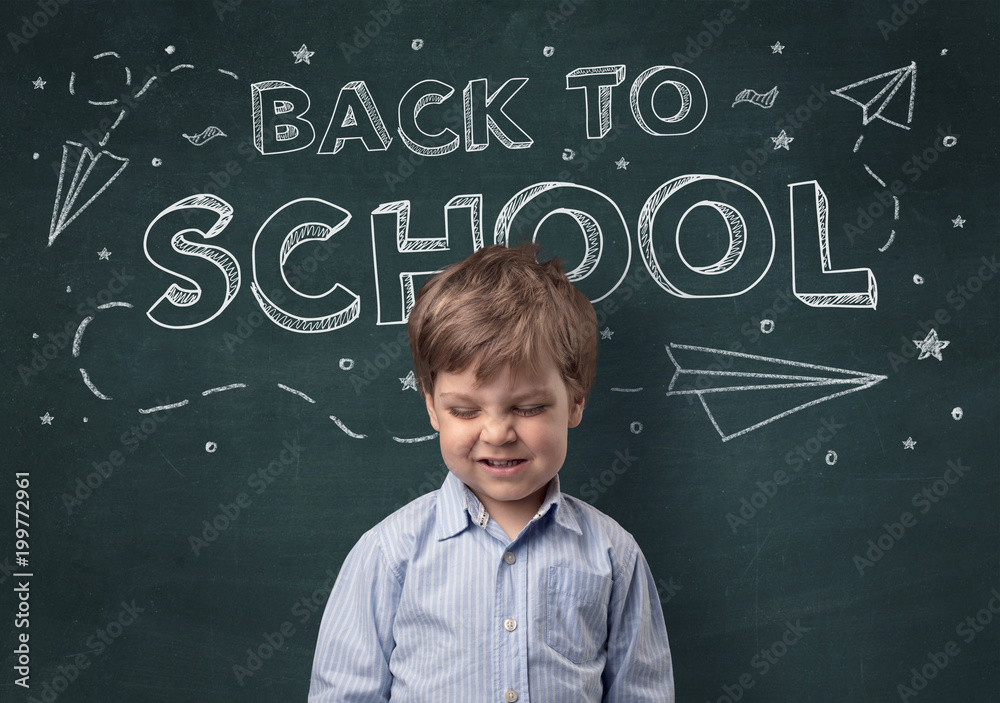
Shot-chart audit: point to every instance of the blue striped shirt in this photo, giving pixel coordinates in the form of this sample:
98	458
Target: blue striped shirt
436	603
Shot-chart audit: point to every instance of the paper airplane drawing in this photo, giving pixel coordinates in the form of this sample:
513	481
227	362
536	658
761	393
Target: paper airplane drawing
89	167
877	106
730	377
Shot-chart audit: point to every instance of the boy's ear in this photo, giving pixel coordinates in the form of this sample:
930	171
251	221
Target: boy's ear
576	411
431	413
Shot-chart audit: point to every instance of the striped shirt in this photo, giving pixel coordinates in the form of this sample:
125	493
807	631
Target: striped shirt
436	603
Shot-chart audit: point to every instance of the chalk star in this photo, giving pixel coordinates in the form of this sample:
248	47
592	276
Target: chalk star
622	164
39	83
958	222
782	141
908	443
46	419
606	333
776	48
302	54
410	381
104	254
931	346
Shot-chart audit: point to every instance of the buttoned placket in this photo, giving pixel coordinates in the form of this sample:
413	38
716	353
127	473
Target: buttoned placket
510	616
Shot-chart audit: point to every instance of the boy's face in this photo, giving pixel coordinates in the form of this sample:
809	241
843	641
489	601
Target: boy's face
506	438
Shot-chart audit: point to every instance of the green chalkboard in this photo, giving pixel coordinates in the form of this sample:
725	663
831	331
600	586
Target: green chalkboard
216	215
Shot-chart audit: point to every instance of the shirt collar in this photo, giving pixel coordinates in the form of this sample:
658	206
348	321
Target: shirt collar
458	506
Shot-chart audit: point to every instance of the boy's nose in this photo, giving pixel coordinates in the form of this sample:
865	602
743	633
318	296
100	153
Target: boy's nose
497	431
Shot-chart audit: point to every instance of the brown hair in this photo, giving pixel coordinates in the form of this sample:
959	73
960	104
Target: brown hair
501	309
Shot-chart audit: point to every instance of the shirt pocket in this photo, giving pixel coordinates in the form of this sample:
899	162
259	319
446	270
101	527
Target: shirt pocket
576	613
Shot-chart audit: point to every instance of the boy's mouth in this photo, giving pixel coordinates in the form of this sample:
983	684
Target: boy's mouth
501	464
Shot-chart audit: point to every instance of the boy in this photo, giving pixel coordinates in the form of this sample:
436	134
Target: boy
497	586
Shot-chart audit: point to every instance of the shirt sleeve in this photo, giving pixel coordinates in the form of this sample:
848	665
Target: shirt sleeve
351	664
638	668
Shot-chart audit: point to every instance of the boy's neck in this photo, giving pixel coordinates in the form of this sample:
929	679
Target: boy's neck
513	516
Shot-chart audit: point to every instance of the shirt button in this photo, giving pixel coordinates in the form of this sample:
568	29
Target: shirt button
510	696
509	624
510	559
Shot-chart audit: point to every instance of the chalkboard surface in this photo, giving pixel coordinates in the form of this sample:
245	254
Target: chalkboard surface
216	215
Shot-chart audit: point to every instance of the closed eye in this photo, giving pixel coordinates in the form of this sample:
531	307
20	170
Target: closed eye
528	412
462	413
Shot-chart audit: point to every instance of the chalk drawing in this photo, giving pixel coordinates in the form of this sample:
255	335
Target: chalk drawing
908	443
409	382
931	346
417	44
782	141
104	254
210	447
228	73
777	47
621	164
347	431
874	107
346	364
606	333
867	298
182	65
857	144
693	103
548	51
86	164
36	156
170	49
568	155
805	375
156	162
635	427
918	279
206	135
766	326
295	392
114	304
870	173
830	458
598	103
895	208
168	310
626	390
158	408
220	389
414	440
957	413
356	94
46	418
39	83
958	222
892	236
93	389
949	141
764	101
944	52
79	334
303	54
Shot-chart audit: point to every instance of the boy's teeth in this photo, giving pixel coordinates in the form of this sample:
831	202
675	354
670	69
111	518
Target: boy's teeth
501	464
